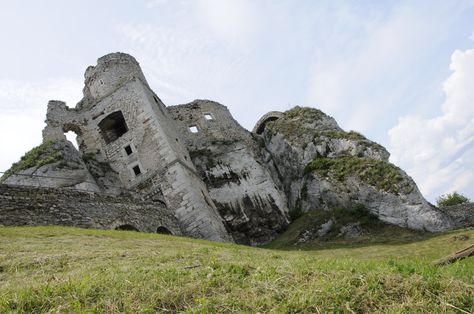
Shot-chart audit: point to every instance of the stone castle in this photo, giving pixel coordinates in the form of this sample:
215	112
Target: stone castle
193	170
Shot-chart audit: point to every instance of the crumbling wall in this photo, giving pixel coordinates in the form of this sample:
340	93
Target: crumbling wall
228	161
33	206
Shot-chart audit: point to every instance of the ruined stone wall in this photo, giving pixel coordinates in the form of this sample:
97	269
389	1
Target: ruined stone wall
108	75
213	121
122	122
22	205
227	158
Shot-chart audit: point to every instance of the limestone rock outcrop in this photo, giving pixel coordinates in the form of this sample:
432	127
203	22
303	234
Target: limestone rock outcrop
324	167
461	214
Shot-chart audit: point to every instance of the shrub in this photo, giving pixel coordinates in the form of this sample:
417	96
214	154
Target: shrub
451	199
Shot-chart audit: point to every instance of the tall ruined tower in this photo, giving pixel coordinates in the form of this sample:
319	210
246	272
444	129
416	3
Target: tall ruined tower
122	122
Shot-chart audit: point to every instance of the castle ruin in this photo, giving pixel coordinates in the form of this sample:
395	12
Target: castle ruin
192	169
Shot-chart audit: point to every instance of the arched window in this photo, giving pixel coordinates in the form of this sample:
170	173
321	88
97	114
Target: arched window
73	134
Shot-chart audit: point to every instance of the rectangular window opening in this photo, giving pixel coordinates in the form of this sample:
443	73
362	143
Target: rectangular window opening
128	150
113	126
136	170
208	116
193	129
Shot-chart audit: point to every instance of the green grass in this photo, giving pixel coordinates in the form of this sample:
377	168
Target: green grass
68	270
380	174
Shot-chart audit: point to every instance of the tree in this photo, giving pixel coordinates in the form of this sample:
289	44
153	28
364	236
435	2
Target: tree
451	199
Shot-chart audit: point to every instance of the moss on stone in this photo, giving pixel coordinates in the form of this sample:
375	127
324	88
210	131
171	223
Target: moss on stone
305	113
380	174
352	135
39	156
293	124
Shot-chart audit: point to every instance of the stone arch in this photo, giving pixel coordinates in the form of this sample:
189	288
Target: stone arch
163	230
73	128
126	227
262	123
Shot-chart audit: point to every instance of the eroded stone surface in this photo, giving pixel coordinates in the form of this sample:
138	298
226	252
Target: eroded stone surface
304	135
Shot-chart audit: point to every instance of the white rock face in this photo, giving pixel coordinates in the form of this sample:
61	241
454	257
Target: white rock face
304	134
229	162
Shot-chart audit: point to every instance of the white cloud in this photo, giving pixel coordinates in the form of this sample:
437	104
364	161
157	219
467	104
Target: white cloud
155	3
181	65
233	21
23	107
439	152
367	70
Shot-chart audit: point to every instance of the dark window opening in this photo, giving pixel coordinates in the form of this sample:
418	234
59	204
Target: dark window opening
163	230
128	150
136	170
113	126
126	227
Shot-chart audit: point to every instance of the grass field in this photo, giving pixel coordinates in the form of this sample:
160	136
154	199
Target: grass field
61	270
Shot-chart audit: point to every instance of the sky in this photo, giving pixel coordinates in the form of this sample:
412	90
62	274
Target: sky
400	72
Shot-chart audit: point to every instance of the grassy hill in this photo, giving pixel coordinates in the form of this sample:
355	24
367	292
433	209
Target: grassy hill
57	269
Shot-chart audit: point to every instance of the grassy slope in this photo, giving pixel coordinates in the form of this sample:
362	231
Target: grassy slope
374	231
56	269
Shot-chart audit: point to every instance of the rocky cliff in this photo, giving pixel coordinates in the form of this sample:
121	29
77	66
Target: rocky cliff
322	167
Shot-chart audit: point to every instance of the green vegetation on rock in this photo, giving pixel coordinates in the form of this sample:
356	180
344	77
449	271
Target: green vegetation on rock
294	121
304	113
298	125
374	231
351	135
39	156
451	199
69	270
380	174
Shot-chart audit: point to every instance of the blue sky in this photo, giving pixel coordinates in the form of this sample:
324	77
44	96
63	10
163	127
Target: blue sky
401	72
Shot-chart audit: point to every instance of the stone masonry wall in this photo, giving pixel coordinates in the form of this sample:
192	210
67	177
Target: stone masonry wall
23	205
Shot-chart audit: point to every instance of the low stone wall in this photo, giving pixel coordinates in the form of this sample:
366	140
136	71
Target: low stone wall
461	214
34	206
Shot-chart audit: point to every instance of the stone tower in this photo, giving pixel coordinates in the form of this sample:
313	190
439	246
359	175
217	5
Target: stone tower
122	122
